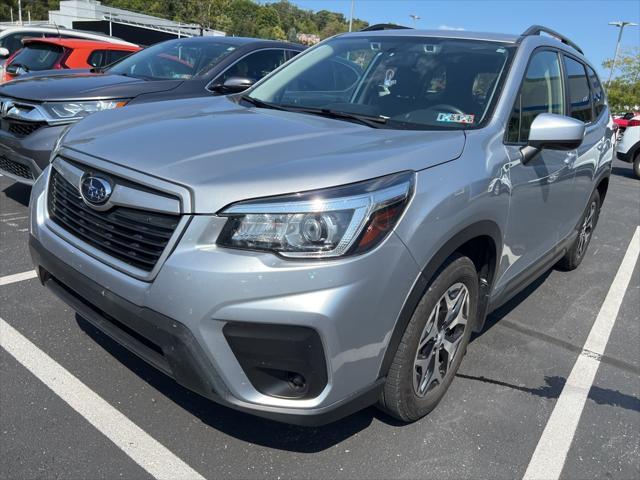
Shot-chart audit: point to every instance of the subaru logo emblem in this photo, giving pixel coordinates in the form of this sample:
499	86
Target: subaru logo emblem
95	190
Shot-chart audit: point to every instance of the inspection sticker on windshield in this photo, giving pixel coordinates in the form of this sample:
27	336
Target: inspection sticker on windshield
455	117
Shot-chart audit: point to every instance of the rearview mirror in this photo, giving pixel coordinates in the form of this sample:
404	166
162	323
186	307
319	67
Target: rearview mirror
553	132
233	85
4	52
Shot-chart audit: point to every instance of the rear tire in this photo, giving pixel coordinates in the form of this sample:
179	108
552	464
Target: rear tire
434	342
587	225
636	164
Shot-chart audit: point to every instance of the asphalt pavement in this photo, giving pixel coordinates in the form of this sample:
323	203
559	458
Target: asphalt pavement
494	417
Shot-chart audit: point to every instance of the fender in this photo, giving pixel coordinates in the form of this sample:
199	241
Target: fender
479	229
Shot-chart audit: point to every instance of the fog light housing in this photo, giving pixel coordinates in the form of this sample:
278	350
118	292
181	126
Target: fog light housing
282	361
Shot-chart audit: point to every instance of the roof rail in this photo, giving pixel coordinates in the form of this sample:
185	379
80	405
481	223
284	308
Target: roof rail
538	29
384	26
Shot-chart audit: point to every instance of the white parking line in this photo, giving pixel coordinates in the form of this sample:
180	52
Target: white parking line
131	439
552	449
18	277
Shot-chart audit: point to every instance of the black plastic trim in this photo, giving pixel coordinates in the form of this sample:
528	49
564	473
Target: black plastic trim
482	228
182	357
272	356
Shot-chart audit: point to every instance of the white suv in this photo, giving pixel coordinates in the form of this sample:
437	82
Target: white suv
628	148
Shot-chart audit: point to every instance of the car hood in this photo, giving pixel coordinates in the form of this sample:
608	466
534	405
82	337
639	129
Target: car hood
224	152
84	86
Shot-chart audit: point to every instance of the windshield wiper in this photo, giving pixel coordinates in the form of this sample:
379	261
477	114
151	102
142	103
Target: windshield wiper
24	68
368	120
260	104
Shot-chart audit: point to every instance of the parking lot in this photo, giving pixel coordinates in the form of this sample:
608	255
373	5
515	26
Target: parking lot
73	404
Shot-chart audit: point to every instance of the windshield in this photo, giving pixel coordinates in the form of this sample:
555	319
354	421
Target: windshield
173	60
37	56
409	82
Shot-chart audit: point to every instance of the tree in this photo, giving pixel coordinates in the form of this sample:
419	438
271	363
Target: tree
278	20
624	90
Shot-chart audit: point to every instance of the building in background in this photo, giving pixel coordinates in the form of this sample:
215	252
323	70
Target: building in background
131	26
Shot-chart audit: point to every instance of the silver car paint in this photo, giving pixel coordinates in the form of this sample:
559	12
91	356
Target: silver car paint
214	153
220	142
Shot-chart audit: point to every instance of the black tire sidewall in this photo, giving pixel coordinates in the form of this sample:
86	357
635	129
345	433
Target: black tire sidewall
459	269
636	164
577	258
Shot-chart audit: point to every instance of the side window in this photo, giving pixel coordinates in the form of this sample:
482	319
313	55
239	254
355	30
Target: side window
97	58
292	53
579	93
115	55
13	42
541	92
255	65
597	93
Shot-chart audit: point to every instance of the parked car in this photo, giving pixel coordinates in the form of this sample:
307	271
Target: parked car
11	38
62	53
628	146
329	239
36	110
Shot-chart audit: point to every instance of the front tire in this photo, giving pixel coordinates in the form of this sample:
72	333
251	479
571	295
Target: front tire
434	342
574	256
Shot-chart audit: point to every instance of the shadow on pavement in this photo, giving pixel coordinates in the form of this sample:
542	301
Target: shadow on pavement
553	387
19	193
240	425
623	172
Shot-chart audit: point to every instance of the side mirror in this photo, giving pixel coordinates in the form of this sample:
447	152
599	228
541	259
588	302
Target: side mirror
233	85
553	132
4	52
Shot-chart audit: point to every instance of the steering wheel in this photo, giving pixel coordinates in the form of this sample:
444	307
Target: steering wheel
446	107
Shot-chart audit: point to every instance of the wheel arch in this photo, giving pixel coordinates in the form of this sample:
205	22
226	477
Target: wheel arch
482	243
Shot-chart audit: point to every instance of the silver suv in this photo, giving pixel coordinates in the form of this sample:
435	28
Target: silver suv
332	237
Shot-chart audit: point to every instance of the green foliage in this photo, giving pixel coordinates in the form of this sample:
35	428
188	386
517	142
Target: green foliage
624	90
279	20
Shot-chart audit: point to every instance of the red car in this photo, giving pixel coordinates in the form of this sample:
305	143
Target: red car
62	53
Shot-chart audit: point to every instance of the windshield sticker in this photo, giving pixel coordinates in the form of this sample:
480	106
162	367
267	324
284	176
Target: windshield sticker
455	118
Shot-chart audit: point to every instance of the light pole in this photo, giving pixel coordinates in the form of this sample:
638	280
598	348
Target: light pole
415	19
351	16
621	26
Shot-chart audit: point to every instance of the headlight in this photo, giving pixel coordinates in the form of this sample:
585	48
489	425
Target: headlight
323	223
72	111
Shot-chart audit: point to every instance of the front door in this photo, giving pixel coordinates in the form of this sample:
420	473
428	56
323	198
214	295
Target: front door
542	191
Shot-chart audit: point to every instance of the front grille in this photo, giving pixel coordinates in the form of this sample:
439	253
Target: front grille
15	168
135	237
22	129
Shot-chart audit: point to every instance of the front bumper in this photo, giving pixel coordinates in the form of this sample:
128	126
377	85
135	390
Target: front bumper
177	322
24	158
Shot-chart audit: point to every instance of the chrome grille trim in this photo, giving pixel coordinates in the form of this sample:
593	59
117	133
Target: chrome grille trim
88	230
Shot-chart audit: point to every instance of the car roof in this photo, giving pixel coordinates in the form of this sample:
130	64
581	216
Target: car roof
235	41
455	34
80	43
67	31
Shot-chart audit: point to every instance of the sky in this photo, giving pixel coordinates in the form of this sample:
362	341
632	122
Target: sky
583	21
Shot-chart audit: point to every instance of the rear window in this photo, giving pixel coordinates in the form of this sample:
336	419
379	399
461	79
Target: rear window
37	57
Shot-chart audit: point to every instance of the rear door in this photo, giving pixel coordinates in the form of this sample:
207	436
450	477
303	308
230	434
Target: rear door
541	208
589	153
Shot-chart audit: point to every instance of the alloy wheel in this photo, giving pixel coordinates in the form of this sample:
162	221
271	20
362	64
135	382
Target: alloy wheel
586	229
440	339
